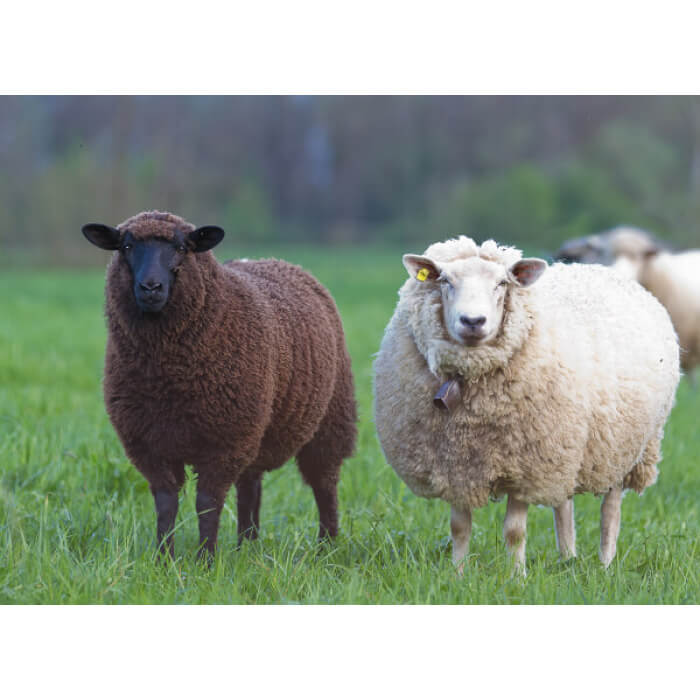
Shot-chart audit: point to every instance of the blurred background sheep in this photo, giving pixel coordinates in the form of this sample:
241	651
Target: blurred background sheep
672	277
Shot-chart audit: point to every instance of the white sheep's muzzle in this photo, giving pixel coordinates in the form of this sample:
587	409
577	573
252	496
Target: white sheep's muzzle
472	298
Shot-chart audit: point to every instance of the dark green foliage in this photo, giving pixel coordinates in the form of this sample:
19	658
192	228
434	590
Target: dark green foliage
402	169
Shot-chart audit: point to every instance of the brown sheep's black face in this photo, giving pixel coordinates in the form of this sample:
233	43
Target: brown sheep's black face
153	262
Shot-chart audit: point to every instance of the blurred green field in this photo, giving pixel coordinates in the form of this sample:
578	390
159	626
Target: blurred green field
77	523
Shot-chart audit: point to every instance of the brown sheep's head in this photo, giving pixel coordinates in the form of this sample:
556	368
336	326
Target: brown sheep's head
153	260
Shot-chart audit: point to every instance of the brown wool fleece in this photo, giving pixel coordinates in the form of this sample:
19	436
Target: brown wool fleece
245	367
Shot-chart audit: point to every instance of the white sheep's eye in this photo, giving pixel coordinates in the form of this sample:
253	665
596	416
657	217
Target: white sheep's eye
502	283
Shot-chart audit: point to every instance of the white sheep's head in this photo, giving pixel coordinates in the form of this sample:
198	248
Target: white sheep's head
632	250
625	248
473	291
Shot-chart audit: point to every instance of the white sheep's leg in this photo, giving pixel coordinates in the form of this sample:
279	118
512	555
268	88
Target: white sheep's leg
565	529
514	532
461	527
610	524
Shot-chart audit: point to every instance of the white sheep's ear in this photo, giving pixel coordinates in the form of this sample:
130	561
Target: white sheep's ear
102	236
205	238
527	271
421	268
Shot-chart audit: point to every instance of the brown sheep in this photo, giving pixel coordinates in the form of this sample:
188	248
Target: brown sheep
231	368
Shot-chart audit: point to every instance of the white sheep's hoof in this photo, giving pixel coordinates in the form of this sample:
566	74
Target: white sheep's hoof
518	570
606	558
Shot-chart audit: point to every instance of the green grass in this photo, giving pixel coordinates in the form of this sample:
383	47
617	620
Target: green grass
77	523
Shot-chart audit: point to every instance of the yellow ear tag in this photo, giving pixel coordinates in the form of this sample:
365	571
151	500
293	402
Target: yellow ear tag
422	274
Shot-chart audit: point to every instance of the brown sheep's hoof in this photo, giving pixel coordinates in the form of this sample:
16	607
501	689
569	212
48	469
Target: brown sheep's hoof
325	542
165	554
250	534
205	557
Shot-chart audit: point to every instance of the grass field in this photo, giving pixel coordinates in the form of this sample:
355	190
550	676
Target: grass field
77	523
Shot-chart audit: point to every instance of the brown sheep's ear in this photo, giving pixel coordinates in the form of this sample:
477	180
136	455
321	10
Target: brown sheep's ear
527	271
421	268
102	236
205	238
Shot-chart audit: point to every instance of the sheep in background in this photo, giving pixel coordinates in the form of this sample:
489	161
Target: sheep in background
232	368
673	278
605	247
567	377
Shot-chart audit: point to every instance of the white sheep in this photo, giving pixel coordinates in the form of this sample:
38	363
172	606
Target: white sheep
565	387
673	278
604	247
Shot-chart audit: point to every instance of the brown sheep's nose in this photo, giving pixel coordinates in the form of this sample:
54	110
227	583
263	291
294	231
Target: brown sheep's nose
476	322
150	286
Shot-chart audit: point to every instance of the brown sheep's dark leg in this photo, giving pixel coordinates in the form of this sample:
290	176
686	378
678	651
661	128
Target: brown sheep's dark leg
320	460
209	504
326	496
166	511
249	492
323	480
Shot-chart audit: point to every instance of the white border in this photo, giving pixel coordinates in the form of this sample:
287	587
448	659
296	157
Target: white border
349	651
383	46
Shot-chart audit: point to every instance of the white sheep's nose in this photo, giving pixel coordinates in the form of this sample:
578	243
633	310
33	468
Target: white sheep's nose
472	322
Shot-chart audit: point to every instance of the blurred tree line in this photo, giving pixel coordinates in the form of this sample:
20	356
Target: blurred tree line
350	169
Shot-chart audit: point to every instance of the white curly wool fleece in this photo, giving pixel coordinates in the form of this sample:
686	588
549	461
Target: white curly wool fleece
571	395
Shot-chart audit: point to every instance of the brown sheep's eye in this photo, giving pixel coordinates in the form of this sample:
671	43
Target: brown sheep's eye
181	249
126	246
